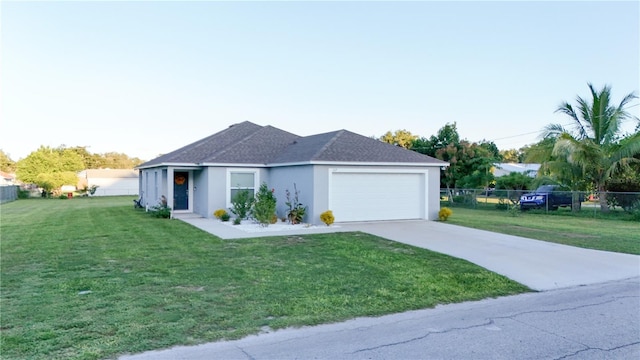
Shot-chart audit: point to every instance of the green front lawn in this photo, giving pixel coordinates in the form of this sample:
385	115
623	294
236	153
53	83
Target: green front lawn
563	227
91	278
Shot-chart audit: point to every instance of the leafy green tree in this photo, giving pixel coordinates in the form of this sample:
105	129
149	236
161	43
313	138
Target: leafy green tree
6	164
469	165
401	138
510	156
448	134
476	169
50	168
90	161
115	160
596	144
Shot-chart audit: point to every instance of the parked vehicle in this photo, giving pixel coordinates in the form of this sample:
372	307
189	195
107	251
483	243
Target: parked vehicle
545	197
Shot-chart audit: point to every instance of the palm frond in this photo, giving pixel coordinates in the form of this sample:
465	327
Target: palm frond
553	131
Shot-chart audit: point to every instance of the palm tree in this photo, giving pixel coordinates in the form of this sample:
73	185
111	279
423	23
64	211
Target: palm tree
596	144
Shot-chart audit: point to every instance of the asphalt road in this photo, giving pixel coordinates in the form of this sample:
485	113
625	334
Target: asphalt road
600	321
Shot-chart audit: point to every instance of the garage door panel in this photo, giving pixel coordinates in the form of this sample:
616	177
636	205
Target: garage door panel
377	196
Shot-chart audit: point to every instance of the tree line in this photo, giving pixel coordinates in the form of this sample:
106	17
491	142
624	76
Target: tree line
591	155
50	168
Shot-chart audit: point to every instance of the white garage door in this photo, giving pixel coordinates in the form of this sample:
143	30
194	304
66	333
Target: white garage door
377	196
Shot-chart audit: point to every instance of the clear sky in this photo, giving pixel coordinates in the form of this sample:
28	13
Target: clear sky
146	78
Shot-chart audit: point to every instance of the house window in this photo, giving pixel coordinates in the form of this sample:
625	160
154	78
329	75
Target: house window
239	181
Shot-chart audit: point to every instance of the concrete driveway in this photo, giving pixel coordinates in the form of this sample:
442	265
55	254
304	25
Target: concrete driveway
537	264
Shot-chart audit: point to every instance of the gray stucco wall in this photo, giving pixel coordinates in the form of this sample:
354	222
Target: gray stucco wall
433	186
211	187
200	182
282	179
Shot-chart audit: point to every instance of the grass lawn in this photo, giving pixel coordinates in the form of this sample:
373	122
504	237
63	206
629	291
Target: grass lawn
91	278
610	234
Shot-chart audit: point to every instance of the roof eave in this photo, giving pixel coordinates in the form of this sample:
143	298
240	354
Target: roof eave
166	164
359	163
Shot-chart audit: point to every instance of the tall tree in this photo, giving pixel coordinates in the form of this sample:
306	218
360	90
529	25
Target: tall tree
403	138
448	134
510	156
50	168
115	160
596	144
6	164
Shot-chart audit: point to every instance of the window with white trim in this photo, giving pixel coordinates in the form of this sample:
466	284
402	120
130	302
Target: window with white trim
240	181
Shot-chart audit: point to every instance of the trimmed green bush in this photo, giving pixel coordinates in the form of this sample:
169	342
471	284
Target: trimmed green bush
264	207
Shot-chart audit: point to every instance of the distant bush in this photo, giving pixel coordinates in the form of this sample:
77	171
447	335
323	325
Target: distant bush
623	193
24	194
444	213
327	217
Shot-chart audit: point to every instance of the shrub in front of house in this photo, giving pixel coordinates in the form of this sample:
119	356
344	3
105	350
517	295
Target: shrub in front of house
219	213
327	217
241	204
444	213
160	211
264	206
296	210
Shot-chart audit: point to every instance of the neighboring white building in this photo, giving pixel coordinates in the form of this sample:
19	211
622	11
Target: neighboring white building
7	179
110	182
502	169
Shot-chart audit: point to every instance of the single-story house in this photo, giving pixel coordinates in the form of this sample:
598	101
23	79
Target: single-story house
110	182
502	169
357	177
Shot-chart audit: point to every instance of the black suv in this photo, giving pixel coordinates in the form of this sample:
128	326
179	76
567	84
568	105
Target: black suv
548	197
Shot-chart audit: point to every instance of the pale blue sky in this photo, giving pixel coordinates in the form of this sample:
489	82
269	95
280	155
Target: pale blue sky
145	78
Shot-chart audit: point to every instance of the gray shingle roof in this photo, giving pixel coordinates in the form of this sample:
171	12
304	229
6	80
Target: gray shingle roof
235	144
248	143
346	146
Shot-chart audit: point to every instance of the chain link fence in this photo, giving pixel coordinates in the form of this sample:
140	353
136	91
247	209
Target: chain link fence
524	200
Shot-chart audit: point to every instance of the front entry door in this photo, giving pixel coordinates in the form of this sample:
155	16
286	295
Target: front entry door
180	190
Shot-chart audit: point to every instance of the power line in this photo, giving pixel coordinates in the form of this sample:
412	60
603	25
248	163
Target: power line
529	133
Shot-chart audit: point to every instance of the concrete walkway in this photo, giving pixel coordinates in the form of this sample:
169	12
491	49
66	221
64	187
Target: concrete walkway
537	264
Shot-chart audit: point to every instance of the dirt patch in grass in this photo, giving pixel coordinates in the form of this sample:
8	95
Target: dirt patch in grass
553	232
